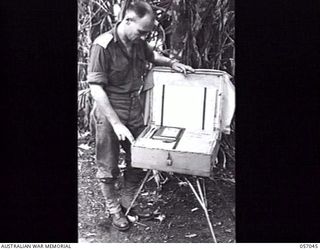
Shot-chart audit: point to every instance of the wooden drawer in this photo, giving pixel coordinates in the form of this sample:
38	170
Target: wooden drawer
185	158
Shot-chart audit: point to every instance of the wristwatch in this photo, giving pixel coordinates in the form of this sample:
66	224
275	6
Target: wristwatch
172	61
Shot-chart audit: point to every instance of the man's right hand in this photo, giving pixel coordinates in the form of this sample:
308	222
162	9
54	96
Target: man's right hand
122	132
102	100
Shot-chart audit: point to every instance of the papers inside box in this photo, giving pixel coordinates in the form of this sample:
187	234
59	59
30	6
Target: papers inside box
195	141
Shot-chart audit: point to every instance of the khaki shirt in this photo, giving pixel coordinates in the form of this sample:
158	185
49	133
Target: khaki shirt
112	67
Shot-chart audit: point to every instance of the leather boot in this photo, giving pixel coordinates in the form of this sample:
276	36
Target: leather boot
143	213
119	221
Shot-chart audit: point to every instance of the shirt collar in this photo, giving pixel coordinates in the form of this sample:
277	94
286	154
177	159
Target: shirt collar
116	37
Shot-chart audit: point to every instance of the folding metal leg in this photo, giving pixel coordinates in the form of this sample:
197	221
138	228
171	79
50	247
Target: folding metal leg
138	191
201	197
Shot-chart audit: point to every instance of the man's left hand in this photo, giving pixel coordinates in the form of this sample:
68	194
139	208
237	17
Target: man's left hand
182	68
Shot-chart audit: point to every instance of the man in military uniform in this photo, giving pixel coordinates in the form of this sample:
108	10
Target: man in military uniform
115	74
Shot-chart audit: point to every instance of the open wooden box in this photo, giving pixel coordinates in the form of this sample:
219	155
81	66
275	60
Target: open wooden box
191	111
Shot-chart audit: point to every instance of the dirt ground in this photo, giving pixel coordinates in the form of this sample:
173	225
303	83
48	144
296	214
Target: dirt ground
179	217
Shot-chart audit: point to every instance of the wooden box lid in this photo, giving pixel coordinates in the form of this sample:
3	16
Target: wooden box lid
203	100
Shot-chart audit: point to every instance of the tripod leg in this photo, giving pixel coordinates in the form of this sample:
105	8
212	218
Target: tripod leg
139	190
203	205
204	192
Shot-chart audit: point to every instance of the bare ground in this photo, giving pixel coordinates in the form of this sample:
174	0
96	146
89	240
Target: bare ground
179	217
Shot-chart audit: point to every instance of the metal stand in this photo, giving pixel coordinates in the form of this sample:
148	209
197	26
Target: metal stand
200	195
138	192
202	198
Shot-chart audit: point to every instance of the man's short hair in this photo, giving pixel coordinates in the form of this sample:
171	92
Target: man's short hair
141	8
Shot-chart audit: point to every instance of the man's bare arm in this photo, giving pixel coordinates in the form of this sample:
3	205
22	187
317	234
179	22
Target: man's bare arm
175	65
104	105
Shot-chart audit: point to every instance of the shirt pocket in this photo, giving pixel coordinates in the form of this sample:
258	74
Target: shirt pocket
119	72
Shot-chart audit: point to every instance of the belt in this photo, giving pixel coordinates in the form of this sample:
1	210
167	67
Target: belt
129	95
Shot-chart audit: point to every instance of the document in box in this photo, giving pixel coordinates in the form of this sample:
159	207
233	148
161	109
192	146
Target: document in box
164	133
157	144
197	142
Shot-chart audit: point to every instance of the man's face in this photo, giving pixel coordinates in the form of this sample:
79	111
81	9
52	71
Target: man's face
139	28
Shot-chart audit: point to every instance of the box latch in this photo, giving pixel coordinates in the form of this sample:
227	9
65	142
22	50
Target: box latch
169	160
